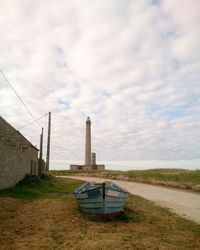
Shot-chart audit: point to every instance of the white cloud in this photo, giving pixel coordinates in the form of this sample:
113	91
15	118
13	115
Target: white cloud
133	66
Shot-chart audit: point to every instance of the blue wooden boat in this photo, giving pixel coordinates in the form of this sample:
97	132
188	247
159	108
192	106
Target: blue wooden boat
101	198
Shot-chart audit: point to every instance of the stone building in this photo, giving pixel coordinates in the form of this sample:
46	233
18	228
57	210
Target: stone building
18	156
90	158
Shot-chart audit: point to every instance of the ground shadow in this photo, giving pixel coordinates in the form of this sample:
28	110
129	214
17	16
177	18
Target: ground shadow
126	216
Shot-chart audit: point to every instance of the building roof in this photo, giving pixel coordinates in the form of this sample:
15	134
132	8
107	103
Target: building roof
12	136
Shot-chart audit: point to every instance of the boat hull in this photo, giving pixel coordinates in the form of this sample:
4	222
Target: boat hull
102	200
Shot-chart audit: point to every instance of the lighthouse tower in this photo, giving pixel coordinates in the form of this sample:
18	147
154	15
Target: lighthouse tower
90	158
88	143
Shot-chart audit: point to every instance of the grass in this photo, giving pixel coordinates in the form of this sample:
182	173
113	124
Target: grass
178	178
167	175
46	186
36	219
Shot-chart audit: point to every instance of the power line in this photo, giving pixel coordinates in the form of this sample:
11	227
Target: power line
19	98
32	122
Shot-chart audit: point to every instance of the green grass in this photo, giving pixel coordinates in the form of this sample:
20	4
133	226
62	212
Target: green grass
171	177
46	186
167	175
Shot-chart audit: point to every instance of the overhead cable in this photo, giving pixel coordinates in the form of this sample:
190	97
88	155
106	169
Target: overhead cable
32	122
19	97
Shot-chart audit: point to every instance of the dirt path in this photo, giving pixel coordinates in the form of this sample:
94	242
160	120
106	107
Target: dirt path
183	203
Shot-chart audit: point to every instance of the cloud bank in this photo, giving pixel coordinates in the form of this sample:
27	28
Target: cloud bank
132	66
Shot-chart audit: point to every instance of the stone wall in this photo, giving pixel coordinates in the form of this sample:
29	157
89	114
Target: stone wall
100	167
87	167
76	167
18	156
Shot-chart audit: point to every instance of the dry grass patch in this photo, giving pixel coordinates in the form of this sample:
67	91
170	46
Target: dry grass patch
57	224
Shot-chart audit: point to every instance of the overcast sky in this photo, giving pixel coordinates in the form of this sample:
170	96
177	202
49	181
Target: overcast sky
132	66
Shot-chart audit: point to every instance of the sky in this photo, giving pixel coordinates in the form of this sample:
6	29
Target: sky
133	66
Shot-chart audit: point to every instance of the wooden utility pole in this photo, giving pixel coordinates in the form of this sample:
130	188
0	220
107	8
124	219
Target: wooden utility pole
48	143
41	153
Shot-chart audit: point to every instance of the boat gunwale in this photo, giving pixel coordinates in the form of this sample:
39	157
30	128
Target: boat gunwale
100	202
84	198
100	185
110	188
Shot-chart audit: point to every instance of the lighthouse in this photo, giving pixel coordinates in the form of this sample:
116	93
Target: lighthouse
88	142
90	158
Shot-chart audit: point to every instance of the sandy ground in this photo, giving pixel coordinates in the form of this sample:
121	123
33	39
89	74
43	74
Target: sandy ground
183	203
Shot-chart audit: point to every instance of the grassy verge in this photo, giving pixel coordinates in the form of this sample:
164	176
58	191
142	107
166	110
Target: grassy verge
177	178
46	186
43	222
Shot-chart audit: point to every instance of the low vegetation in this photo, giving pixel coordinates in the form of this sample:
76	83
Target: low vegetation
41	213
176	178
46	186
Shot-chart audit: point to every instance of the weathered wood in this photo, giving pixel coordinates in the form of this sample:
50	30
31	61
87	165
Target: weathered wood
48	143
101	198
41	152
